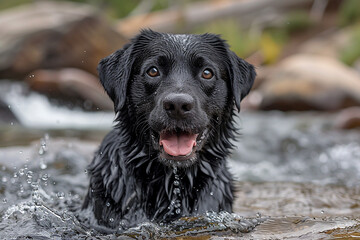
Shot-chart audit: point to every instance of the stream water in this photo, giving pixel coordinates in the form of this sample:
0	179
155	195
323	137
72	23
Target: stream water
297	177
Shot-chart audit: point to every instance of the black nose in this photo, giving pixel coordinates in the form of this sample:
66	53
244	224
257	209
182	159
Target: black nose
177	105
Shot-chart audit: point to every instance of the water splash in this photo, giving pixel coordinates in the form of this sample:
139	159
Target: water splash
175	204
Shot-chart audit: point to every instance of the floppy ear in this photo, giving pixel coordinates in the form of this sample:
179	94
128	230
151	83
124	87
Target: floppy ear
114	73
242	76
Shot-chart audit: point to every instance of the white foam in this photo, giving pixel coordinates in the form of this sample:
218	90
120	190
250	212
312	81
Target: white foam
36	111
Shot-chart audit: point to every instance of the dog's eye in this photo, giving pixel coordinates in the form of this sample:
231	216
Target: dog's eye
153	72
207	74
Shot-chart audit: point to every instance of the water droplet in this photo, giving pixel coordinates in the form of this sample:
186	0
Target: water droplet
4	200
21	152
21	171
258	215
45	177
108	204
322	211
176	190
111	220
211	193
35	186
4	179
41	151
29	174
86	171
43	165
9	106
11	123
60	195
175	170
178	211
176	183
66	216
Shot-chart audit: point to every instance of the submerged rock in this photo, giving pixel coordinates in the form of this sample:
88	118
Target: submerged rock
309	82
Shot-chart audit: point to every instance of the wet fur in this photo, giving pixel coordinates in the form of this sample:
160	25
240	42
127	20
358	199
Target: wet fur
128	182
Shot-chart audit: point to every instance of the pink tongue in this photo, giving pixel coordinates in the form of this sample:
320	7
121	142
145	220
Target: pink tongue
178	144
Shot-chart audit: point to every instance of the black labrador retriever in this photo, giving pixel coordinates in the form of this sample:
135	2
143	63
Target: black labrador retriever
174	97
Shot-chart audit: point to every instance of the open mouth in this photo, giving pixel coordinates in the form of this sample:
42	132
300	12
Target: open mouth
179	145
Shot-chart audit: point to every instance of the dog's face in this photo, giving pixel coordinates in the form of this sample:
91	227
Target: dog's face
177	89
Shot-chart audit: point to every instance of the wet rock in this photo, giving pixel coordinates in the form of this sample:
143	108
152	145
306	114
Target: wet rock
49	34
73	85
348	118
309	82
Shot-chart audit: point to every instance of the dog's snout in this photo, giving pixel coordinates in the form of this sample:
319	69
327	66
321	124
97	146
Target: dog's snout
177	105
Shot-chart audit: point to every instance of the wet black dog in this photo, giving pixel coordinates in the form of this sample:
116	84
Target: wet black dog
174	96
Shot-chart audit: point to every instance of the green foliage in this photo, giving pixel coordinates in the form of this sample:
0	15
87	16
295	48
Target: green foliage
160	4
349	12
274	38
297	21
272	42
4	4
240	41
352	51
114	8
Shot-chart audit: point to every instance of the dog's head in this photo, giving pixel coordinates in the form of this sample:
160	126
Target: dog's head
176	89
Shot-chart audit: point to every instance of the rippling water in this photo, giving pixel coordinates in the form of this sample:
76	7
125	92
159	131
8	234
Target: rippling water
297	147
297	177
